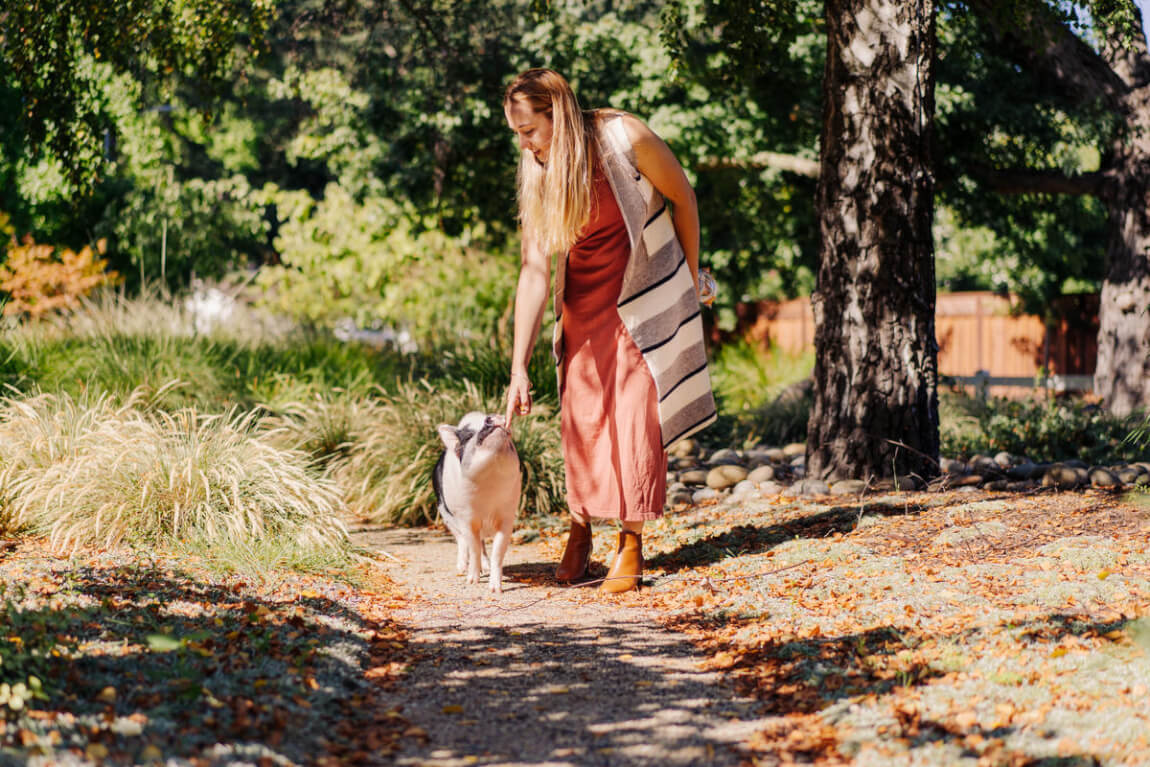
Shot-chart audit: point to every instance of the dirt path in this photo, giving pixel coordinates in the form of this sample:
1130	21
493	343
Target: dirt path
544	675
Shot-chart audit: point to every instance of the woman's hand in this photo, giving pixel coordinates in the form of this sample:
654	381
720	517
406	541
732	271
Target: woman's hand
518	396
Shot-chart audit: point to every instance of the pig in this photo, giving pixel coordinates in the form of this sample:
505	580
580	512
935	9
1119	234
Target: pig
478	483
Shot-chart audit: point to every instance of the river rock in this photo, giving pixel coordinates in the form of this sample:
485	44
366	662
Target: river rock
724	457
763	473
683	464
744	489
809	487
1021	486
1103	477
794	449
848	487
1076	463
951	466
1004	460
722	477
1128	474
776	455
1064	477
704	494
997	485
680	497
683	448
694	477
1024	470
770	488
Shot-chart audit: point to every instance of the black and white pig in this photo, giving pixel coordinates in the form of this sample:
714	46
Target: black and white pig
477	482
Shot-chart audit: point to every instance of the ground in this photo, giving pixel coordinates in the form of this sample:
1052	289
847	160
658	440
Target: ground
916	628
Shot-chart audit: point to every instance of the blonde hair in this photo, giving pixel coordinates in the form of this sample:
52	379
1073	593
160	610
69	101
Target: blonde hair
554	199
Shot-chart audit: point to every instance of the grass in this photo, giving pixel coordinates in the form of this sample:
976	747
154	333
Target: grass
102	473
381	450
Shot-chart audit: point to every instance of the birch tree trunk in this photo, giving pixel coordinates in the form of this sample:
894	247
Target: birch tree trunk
875	412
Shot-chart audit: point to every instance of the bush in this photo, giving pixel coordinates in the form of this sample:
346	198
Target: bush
39	281
1042	430
104	474
748	377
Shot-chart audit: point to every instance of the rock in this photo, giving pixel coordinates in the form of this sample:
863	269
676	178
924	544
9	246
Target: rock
799	460
997	485
1025	470
1064	477
682	464
1075	463
798	472
744	488
683	448
675	487
704	494
848	487
967	480
809	487
776	455
1021	486
981	464
724	457
951	466
680	498
795	449
1128	474
757	456
1102	477
1142	480
770	488
722	477
762	474
967	489
899	484
694	477
1004	460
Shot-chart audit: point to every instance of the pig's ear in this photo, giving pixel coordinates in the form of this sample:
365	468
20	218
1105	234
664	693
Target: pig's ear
450	436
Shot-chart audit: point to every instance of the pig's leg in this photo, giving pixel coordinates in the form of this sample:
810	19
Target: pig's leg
475	554
498	551
460	555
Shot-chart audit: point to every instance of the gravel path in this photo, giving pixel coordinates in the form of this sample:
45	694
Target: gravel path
545	675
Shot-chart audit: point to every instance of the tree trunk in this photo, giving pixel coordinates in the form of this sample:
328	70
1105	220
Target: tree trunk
1122	375
875	412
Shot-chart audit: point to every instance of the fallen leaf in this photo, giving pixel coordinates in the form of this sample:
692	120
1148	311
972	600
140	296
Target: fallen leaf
453	708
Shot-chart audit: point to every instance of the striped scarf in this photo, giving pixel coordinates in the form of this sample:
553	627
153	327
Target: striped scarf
658	303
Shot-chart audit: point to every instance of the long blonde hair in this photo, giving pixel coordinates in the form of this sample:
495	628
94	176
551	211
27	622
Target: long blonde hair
554	199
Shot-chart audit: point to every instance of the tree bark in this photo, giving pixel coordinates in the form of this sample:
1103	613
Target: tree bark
875	411
1122	375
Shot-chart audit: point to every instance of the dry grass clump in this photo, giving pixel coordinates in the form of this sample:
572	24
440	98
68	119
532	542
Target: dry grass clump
104	473
381	451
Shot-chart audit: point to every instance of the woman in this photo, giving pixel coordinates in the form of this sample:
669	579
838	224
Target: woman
628	337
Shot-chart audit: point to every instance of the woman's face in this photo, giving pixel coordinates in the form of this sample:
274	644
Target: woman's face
533	128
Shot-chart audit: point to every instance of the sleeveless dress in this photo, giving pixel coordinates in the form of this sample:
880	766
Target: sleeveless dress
615	463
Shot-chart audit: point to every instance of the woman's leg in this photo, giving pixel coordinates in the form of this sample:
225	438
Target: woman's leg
577	552
627	566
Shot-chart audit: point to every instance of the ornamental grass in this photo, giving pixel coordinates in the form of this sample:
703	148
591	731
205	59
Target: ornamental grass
104	473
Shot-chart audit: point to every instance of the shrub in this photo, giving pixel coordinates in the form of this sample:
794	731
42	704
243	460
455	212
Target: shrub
105	474
746	376
1042	430
39	280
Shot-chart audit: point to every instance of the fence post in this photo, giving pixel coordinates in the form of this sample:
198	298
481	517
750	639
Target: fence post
982	384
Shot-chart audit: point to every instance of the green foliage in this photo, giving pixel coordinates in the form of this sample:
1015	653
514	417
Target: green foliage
43	47
746	376
1040	429
31	639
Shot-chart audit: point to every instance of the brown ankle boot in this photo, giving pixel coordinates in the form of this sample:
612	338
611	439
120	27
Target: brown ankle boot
576	554
627	566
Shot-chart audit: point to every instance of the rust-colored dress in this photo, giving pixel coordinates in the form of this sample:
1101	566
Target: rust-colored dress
612	446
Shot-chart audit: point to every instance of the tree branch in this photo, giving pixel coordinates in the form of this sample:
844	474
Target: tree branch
786	162
1044	44
1030	181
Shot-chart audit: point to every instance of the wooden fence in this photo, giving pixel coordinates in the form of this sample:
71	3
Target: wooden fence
981	338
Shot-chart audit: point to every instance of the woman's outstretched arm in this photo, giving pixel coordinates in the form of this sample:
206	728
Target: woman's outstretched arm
530	299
